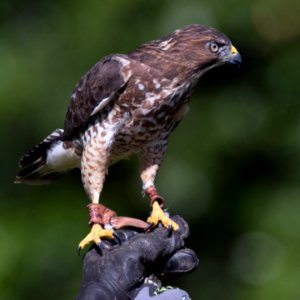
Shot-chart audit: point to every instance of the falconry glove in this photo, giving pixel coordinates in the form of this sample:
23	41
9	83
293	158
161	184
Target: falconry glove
118	270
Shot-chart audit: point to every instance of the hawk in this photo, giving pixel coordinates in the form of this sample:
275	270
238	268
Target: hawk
127	104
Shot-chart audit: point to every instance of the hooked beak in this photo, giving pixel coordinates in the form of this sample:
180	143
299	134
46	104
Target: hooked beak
231	56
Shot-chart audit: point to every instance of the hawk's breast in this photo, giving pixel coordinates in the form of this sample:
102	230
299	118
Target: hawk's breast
156	107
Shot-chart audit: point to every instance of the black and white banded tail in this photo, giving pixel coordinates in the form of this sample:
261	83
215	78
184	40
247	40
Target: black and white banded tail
47	160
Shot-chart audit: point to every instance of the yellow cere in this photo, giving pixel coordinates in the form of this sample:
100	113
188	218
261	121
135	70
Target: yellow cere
233	50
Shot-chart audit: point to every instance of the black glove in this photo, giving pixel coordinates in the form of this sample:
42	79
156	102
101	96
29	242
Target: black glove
118	270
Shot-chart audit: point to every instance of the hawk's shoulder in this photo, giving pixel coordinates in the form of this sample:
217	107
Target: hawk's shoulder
100	85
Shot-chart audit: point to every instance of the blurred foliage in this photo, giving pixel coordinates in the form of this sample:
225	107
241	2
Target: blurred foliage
232	168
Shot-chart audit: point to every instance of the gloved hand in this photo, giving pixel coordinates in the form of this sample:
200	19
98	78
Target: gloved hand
118	270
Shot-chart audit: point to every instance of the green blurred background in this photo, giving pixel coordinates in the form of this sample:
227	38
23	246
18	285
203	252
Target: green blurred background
232	168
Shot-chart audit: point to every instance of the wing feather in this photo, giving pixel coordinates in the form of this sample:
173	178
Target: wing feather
96	89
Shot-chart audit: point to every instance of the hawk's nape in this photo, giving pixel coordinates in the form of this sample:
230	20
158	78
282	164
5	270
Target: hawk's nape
128	104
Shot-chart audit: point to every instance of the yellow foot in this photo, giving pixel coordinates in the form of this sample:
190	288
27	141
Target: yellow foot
97	232
158	215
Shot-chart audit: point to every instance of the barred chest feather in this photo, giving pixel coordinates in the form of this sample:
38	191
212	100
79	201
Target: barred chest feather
142	115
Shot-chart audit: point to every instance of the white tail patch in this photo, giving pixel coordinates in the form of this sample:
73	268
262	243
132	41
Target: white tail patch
62	159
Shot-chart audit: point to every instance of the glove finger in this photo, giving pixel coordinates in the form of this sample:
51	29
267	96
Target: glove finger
184	229
183	261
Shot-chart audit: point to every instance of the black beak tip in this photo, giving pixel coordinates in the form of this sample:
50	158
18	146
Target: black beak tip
237	59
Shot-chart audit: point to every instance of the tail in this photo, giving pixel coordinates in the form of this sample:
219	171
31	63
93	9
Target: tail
48	160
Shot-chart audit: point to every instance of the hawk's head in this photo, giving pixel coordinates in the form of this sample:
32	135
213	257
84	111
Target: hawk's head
191	49
201	46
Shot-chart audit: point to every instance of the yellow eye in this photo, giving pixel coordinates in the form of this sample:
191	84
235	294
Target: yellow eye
213	47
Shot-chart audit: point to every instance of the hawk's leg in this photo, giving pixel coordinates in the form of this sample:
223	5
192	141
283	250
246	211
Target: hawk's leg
94	165
99	214
151	158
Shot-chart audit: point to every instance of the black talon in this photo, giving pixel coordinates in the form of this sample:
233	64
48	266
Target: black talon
117	239
79	251
151	225
103	245
170	230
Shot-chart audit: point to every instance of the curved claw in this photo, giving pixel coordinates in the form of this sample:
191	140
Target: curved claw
79	251
170	229
97	232
151	226
159	216
117	239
